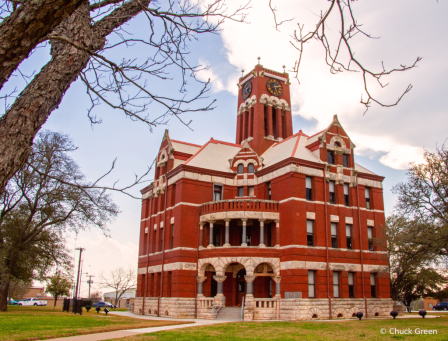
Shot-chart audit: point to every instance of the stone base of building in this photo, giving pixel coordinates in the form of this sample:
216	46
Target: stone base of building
291	309
177	307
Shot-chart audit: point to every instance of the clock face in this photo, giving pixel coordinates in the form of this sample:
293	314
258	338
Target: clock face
274	87
247	89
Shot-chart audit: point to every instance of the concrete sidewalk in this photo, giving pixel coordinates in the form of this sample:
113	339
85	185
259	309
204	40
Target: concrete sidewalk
133	332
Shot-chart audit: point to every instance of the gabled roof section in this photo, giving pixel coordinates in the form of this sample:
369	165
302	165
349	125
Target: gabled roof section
185	147
361	169
321	135
293	146
246	152
214	155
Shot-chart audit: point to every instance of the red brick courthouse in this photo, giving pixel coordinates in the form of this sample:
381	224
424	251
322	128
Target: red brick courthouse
280	223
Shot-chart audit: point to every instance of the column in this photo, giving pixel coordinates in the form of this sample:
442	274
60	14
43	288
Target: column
277	233
278	115
201	235
227	244
269	121
251	121
210	243
288	123
239	128
244	239
245	116
250	285
277	279
262	232
220	280
201	280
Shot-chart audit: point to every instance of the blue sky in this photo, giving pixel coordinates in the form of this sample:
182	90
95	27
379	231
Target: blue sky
386	138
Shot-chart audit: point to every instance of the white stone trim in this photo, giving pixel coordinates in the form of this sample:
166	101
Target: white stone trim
240	215
266	74
142	271
250	263
311	215
370	223
146	230
172	220
305	265
349	220
247	78
334	218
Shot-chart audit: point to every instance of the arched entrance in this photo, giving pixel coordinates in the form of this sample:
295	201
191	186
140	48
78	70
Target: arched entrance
264	285
234	286
240	287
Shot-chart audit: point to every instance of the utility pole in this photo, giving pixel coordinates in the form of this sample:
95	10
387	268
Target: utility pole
89	281
79	268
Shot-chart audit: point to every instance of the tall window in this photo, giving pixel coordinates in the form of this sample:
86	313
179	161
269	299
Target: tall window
172	236
310	232
250	168
370	237
335	284
240	168
331	158
173	195
170	283
373	285
161	239
311	283
332	192
241	191
251	191
351	285
269	190
217	192
367	190
348	235
334	235
309	188
346	195
345	158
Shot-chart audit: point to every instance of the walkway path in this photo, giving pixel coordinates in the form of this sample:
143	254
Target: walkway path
133	332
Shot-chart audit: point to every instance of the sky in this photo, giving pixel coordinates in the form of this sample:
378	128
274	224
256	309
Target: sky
386	139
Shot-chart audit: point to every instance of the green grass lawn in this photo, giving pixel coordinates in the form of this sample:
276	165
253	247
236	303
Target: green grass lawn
332	331
35	323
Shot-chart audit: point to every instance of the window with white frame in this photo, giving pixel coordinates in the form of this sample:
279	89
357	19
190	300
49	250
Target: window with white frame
336	284
367	194
240	168
334	235
311	283
351	284
310	232
370	237
348	236
250	168
346	195
309	188
332	192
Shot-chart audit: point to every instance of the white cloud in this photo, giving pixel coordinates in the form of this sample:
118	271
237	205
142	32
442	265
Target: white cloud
320	94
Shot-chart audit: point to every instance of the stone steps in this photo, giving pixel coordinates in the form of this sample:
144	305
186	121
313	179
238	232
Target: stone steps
229	313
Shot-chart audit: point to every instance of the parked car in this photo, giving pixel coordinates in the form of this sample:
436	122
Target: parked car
33	301
441	306
104	305
12	302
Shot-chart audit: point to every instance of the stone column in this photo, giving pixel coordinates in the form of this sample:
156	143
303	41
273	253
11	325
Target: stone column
227	244
277	279
244	241
277	233
220	280
269	121
201	235
250	285
201	280
279	119
262	232
210	243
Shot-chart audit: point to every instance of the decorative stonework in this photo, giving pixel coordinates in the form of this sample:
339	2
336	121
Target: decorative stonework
349	220
370	223
295	265
311	215
274	101
248	103
334	218
249	263
240	215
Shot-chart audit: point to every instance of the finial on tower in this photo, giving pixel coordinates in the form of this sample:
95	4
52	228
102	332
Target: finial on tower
258	60
242	73
284	67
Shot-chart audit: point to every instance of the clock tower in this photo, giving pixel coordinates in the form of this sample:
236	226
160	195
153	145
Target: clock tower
264	108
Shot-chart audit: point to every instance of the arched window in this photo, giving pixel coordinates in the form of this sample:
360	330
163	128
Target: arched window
250	168
240	168
337	144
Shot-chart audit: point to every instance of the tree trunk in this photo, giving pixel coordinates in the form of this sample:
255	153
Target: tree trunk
4	289
44	93
55	300
24	29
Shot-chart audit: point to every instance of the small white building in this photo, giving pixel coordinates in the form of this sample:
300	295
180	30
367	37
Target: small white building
126	299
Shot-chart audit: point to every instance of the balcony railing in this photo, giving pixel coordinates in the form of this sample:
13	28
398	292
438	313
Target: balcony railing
240	205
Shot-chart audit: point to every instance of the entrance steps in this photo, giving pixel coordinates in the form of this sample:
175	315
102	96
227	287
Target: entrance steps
229	314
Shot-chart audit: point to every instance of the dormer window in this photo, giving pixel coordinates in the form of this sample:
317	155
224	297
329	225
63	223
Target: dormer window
331	157
240	168
337	144
250	168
